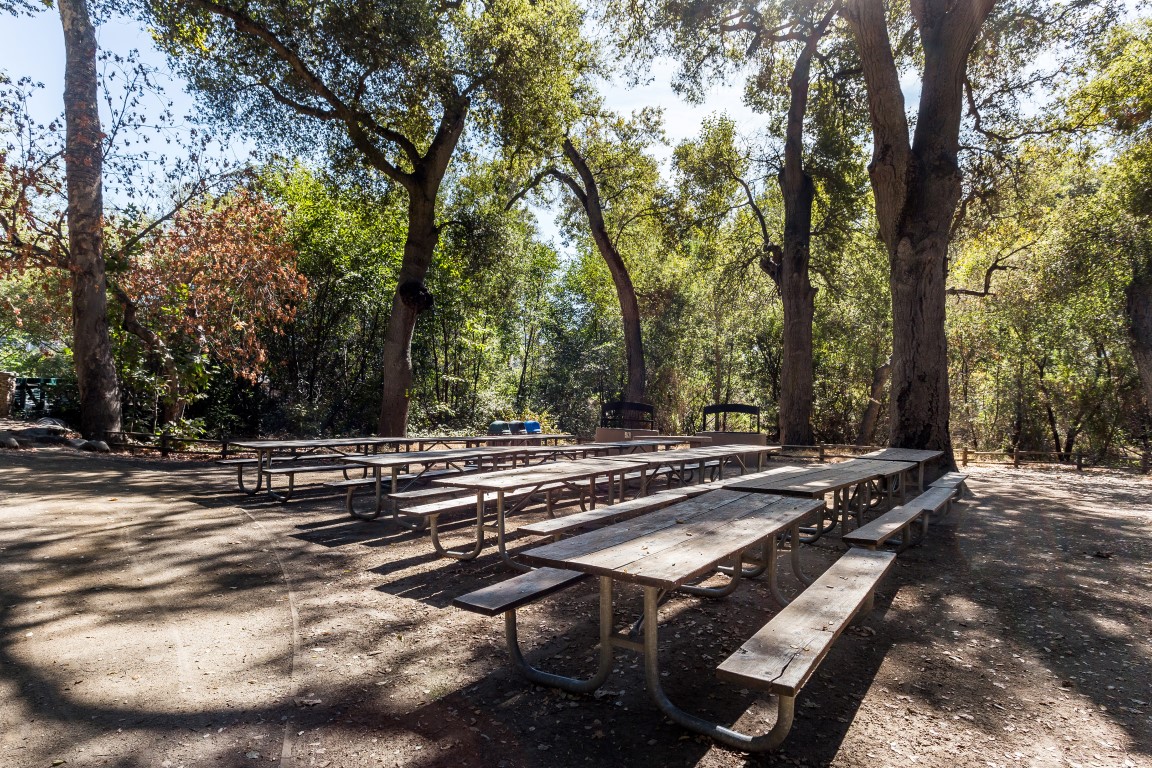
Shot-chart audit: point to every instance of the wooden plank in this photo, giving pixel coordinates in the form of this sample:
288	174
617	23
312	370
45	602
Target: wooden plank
698	555
621	533
696	544
903	454
621	511
522	477
884	527
517	591
292	470
933	499
782	656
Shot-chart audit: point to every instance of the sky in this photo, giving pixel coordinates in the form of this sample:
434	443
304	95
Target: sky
34	47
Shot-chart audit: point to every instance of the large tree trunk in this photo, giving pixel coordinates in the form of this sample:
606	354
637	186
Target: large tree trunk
412	296
796	291
625	291
917	186
1139	311
83	163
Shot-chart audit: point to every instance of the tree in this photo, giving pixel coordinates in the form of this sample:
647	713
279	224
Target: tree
611	172
1116	95
207	289
395	83
780	42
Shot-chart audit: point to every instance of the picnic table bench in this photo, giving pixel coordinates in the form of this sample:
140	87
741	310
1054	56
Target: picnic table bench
569	474
301	456
670	548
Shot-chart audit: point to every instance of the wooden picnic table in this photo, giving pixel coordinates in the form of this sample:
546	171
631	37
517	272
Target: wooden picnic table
530	480
662	551
635	445
395	463
849	483
920	457
677	462
478	441
303	449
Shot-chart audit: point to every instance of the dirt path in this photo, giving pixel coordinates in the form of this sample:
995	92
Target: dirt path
151	616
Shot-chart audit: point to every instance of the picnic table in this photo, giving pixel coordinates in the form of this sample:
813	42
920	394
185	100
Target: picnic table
662	551
297	450
528	480
920	457
478	441
635	445
679	462
456	459
849	482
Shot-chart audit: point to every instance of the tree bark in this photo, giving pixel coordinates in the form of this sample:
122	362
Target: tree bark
796	292
412	296
1139	311
83	164
589	197
875	396
917	187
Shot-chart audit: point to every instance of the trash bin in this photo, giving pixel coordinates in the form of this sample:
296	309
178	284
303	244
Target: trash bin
532	427
499	428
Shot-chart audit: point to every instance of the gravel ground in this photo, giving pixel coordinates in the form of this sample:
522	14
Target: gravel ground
152	616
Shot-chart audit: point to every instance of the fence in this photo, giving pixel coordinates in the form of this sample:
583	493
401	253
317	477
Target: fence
1014	458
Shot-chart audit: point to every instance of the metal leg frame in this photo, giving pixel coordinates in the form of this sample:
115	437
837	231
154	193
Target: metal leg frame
726	736
570	684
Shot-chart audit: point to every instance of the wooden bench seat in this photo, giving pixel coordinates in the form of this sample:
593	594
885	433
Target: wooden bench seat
467	503
251	461
958	481
899	520
518	591
935	499
604	515
896	520
782	656
299	469
405	478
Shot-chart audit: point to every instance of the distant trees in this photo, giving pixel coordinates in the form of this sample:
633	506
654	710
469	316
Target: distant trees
395	83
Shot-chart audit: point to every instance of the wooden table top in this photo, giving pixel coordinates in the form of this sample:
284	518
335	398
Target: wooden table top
672	546
526	477
903	454
819	479
320	442
389	460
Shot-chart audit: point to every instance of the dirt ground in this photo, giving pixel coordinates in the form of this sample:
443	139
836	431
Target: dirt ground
150	615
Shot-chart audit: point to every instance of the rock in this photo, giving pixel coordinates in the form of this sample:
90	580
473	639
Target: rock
97	446
52	426
7	441
77	443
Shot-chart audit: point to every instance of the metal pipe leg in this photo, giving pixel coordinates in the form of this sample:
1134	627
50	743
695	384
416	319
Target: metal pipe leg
794	555
735	572
500	541
784	712
459	554
570	684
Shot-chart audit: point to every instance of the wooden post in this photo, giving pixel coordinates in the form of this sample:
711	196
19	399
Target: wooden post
964	457
164	445
224	436
821	446
1079	462
1144	462
1016	457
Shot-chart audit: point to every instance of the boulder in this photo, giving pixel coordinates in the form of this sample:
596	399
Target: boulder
97	446
8	441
